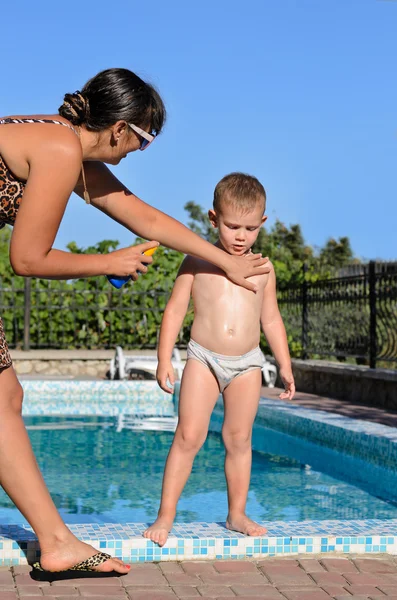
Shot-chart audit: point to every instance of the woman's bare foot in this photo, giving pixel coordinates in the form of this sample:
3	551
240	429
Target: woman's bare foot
243	524
67	554
158	532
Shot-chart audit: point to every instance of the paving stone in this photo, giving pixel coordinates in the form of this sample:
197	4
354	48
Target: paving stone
60	591
155	595
357	590
26	579
364	579
383	597
387	578
233	578
349	597
306	595
196	568
182	579
215	591
8	596
287	575
339	565
31	590
8	588
144	577
107	592
335	590
311	565
387	589
235	566
21	569
146	570
41	597
6	578
260	591
329	578
375	565
147	566
187	591
170	567
110	597
148	588
278	562
268	595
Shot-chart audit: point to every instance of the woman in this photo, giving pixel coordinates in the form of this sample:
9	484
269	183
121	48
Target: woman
43	159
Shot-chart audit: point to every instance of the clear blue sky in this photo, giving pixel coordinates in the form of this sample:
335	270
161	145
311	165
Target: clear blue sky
300	93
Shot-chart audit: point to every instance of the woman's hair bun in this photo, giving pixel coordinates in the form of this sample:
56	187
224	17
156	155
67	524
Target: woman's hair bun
115	95
75	108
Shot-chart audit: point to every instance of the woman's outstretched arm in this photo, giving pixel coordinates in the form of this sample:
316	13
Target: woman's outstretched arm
110	196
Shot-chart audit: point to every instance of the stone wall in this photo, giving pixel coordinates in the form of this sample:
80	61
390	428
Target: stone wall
66	363
66	368
374	387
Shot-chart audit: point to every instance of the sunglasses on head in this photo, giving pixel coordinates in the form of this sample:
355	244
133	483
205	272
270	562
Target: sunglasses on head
147	138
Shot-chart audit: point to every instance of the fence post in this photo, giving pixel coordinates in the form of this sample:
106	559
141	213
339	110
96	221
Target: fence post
372	315
27	308
305	315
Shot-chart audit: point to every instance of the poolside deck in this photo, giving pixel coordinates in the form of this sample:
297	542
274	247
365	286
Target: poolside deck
348	409
316	578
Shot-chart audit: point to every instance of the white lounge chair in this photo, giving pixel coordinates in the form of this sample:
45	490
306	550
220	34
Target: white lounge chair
122	365
269	372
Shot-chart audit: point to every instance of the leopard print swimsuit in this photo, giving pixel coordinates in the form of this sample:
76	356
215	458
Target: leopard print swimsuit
11	192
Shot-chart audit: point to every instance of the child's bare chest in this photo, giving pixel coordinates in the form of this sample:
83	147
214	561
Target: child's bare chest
212	288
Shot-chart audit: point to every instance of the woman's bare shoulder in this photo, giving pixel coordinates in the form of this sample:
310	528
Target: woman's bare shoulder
40	127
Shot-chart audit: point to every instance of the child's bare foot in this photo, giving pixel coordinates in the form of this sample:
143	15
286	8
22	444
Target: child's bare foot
243	524
158	532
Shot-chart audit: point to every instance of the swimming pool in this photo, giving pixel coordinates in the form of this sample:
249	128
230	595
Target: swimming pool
104	470
320	483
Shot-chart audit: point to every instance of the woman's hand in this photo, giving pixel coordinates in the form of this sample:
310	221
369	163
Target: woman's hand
165	375
242	267
130	261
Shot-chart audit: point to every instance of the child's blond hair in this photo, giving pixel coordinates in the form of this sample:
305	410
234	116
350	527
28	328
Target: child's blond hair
239	190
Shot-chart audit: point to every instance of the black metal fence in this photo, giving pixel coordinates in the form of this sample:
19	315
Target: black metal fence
354	315
350	316
58	314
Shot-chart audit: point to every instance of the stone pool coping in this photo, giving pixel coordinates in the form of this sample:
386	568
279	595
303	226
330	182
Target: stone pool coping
192	541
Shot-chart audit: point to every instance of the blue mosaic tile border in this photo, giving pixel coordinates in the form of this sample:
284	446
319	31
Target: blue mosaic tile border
109	389
107	398
373	442
211	541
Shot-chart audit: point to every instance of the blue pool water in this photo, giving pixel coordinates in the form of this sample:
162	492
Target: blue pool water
100	472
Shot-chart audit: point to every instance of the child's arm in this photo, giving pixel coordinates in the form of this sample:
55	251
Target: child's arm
274	330
172	321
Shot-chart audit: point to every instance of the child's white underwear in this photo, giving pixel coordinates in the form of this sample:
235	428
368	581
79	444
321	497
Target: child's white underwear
225	368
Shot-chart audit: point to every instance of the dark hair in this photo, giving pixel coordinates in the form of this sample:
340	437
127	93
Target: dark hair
240	191
115	95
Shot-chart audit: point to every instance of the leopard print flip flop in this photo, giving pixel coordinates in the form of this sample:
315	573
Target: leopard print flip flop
86	568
